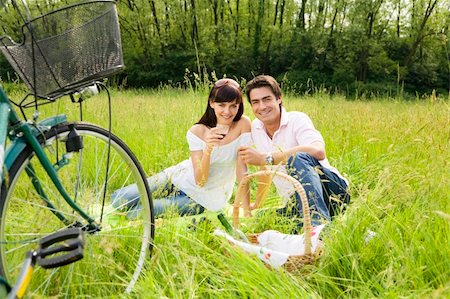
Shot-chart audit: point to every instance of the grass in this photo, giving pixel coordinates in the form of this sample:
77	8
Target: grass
396	155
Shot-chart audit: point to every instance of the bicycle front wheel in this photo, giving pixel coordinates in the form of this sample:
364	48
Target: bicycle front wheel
32	208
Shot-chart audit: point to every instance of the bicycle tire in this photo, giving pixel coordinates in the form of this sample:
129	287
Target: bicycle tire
115	256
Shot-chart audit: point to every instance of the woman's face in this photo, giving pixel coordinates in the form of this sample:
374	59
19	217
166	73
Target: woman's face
225	111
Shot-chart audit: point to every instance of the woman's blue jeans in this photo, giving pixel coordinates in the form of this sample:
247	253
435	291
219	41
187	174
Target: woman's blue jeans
165	197
327	192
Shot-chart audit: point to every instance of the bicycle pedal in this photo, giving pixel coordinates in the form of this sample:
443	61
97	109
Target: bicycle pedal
61	248
70	233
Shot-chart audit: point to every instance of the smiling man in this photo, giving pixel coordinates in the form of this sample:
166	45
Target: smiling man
288	142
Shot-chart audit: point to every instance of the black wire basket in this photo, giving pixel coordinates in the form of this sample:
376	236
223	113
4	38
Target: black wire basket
68	48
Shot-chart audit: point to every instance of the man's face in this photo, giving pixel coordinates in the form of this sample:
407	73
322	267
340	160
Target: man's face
265	105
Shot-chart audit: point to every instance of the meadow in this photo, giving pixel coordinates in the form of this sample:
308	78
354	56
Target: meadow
396	155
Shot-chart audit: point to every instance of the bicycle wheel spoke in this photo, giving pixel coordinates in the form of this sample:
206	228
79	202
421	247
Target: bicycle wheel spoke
115	254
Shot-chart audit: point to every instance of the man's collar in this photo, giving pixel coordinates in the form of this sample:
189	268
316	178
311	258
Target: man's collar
258	124
284	117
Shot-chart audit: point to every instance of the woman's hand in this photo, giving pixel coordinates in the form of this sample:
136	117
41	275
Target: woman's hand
213	137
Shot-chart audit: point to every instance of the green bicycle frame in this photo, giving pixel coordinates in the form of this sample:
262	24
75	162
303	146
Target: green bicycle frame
21	134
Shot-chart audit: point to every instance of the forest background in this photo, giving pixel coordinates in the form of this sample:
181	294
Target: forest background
362	47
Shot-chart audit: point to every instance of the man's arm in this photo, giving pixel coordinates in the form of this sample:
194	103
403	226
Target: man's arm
253	157
315	149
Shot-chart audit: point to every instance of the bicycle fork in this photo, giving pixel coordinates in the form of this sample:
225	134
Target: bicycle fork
50	170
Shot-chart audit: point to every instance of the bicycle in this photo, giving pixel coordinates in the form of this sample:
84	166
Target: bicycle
60	174
56	250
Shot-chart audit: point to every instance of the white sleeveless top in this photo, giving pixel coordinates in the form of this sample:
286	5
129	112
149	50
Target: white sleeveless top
222	173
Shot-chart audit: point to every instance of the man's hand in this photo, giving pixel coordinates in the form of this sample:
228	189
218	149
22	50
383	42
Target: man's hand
251	156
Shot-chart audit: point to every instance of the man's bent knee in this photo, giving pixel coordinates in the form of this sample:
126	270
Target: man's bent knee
301	163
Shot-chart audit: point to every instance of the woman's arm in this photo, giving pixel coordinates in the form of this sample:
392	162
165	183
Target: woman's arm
201	162
201	159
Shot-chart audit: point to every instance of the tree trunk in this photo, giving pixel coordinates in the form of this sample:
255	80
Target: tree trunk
158	27
372	15
235	18
344	9
250	19
320	15
301	16
258	30
194	33
333	21
398	18
236	28
276	13
413	17
420	33
364	55
167	21
182	24
283	4
214	5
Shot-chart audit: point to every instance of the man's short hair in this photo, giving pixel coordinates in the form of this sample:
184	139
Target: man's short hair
264	81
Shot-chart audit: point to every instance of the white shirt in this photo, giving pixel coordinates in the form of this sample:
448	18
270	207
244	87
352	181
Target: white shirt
296	128
222	172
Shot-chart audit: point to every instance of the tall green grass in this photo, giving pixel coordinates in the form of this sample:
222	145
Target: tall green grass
396	156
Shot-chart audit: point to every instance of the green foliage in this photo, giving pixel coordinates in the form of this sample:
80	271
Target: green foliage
151	72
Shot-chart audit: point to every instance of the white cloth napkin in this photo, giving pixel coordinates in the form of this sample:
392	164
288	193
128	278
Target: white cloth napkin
274	248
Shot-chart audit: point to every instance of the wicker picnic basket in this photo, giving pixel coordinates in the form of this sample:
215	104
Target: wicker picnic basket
294	262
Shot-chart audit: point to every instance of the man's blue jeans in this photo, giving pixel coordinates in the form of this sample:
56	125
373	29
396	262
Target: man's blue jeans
327	192
170	198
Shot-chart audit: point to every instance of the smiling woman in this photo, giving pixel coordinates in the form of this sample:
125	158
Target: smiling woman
206	180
